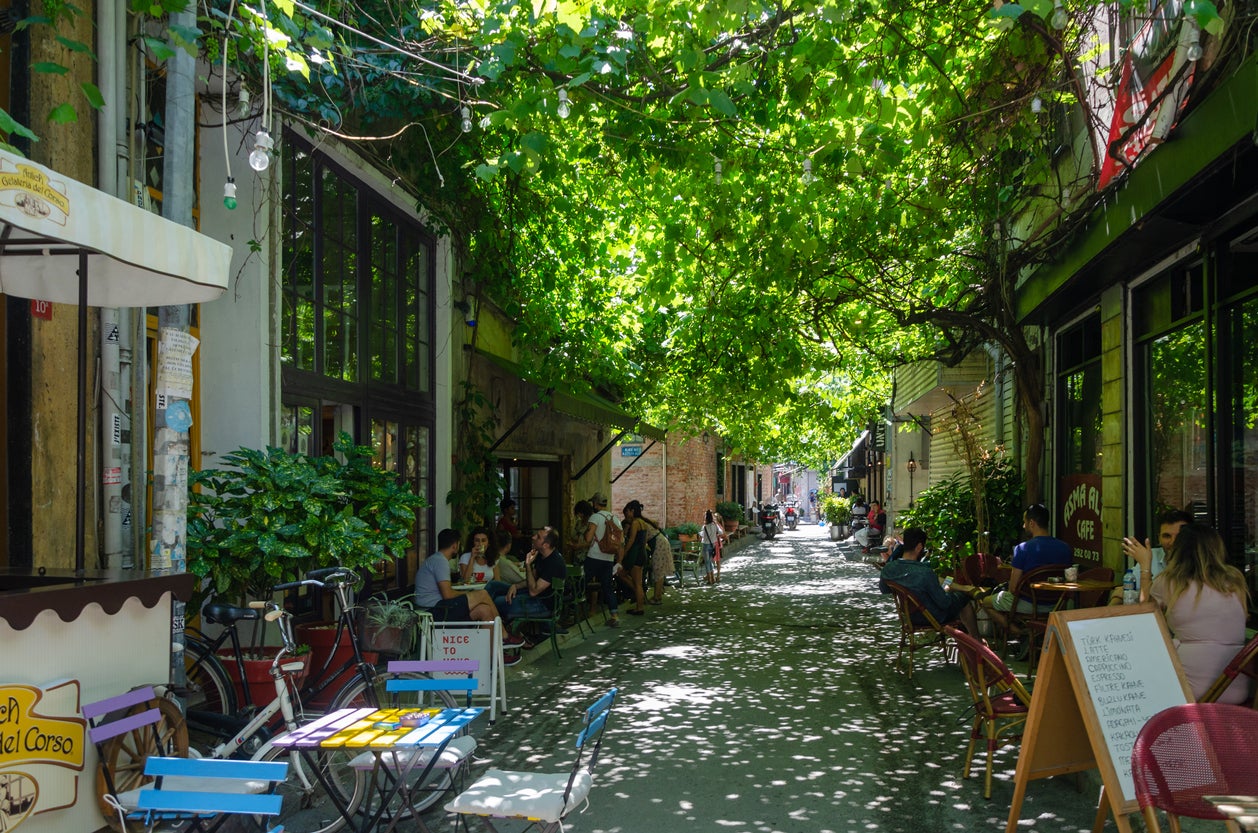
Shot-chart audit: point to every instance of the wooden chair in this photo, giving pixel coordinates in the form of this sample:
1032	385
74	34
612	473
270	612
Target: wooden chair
1245	662
540	800
915	622
1190	751
1001	703
1033	623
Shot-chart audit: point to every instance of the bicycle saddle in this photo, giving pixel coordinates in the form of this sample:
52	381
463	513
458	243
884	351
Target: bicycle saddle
220	614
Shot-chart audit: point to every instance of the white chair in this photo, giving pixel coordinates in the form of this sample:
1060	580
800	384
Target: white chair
543	800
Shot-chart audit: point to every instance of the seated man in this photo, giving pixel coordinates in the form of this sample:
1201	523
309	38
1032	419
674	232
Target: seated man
542	567
1041	550
434	592
920	580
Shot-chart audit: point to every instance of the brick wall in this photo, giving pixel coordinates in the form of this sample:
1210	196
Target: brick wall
680	495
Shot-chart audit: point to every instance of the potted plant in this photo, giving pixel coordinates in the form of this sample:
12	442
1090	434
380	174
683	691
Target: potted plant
389	625
687	532
272	516
838	513
731	513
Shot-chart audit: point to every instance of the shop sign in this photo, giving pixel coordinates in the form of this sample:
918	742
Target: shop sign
41	737
631	451
1080	501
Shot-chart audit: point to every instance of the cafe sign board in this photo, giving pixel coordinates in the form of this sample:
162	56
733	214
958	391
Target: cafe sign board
42	738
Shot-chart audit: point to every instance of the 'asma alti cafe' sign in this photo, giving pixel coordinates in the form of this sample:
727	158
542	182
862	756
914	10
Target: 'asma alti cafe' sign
41	750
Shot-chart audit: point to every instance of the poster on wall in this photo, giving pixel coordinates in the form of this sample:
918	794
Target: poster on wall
41	748
1079	496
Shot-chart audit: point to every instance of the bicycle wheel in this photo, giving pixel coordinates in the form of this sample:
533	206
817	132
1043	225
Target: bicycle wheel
124	756
361	694
209	687
306	806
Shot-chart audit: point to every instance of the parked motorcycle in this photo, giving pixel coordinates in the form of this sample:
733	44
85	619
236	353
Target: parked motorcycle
769	519
791	517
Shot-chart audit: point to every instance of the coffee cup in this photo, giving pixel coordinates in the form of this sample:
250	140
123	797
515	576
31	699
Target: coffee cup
1072	574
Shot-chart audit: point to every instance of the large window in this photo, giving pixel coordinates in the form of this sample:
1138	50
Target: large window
1079	397
356	326
1173	412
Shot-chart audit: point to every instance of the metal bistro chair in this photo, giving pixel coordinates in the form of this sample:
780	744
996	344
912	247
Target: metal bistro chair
574	600
1187	752
690	558
1001	703
1245	662
551	621
916	621
1033	624
543	800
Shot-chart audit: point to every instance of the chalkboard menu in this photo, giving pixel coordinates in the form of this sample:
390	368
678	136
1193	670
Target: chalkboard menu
1129	676
1103	673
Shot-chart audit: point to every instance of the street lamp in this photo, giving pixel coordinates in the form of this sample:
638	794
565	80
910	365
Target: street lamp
911	465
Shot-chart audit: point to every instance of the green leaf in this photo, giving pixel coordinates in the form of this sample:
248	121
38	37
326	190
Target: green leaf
721	102
11	127
75	46
50	67
159	49
92	93
63	114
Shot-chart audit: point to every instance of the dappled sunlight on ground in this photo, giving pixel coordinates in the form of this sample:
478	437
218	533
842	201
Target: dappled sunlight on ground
769	703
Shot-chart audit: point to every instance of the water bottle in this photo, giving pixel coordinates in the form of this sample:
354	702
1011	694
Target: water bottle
1130	596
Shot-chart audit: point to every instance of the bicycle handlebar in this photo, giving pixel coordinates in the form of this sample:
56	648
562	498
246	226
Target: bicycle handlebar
325	577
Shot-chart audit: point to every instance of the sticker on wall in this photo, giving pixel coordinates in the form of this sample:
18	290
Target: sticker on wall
178	416
18	795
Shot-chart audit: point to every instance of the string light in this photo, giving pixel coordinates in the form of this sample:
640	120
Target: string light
1059	18
563	109
716	170
1036	105
467	119
260	156
807	178
242	102
229	194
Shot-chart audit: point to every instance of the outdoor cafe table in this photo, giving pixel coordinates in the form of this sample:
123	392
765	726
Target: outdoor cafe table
1242	809
357	730
1070	590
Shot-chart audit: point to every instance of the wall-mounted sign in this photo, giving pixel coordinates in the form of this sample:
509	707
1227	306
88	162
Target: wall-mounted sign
1079	496
41	736
631	451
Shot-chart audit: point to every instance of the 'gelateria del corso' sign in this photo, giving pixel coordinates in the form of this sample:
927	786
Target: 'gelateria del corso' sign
42	741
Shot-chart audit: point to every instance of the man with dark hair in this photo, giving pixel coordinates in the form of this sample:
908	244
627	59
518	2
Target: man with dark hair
535	596
909	572
1041	550
434	591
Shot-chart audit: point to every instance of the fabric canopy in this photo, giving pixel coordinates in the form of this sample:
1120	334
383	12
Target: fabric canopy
135	257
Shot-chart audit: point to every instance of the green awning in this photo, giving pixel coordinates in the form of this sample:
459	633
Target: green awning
587	406
1221	122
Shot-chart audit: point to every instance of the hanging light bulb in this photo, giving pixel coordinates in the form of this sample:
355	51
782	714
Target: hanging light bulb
1036	105
716	170
1059	18
807	178
229	194
467	119
260	157
242	102
1194	51
563	109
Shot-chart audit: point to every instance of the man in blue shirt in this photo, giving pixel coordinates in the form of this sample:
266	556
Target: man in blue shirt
1041	550
910	573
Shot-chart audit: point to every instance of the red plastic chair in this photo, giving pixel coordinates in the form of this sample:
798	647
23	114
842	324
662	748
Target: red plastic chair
1001	703
1190	751
1245	662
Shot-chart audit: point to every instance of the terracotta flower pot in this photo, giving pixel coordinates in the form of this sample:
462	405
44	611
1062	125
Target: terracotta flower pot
258	673
319	637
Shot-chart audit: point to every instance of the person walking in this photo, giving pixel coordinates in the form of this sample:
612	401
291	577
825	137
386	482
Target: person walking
600	566
711	535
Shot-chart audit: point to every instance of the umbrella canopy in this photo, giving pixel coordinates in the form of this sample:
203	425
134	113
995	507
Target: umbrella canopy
64	241
135	258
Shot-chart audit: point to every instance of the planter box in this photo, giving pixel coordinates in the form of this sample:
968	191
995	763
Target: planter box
258	673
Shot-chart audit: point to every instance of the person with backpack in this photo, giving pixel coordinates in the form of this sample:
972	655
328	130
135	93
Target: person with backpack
602	539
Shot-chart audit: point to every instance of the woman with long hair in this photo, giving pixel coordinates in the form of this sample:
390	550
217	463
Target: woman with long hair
476	566
644	540
1205	602
711	535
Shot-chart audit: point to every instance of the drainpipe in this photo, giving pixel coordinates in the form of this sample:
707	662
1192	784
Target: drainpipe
664	479
111	447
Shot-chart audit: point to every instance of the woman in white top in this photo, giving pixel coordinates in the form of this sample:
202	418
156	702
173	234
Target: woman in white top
477	565
711	535
598	564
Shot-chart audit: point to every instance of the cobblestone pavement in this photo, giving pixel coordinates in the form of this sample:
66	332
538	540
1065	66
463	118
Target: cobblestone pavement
767	704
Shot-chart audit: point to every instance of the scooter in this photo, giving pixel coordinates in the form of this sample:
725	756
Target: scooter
769	521
791	518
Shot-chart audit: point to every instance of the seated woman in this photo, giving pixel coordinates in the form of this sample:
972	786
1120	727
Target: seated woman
435	593
507	569
476	566
1204	599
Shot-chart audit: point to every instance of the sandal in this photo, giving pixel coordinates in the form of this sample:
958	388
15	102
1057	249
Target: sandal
655	601
636	612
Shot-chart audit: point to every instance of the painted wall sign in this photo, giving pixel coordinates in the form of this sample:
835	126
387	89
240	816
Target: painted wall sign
1079	496
41	309
41	737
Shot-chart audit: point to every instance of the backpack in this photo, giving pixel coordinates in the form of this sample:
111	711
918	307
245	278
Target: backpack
613	536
